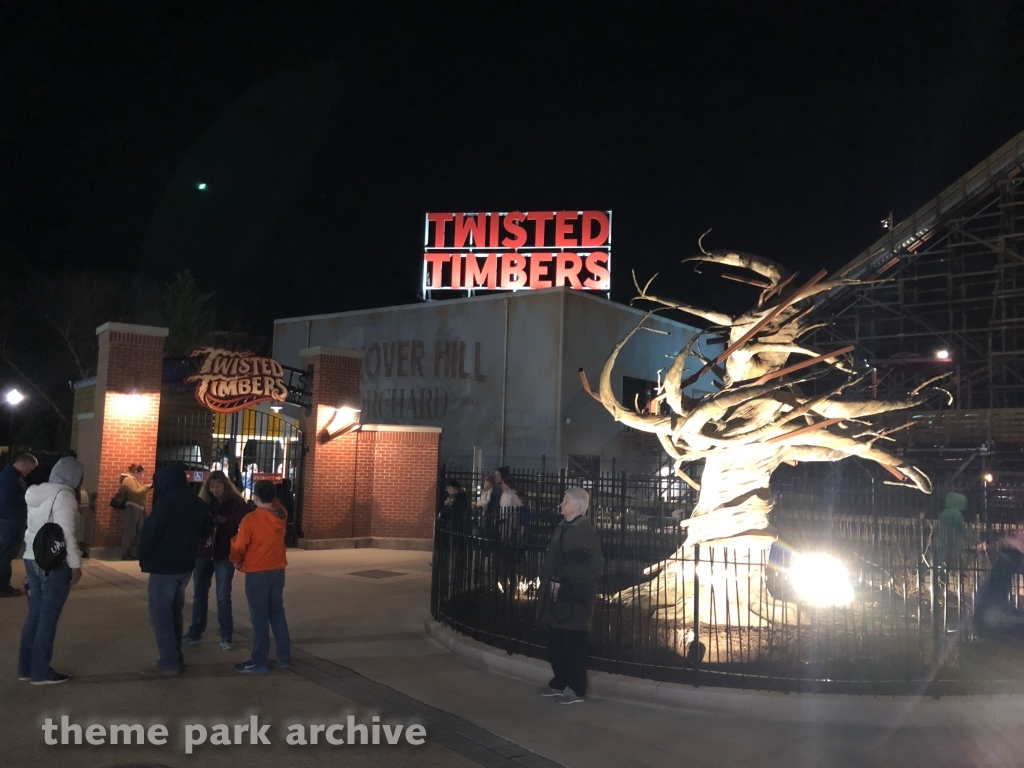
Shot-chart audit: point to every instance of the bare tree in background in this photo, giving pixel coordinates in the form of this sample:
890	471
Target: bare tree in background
60	315
187	313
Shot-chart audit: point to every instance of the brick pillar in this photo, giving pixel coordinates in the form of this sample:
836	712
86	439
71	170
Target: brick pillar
126	412
329	473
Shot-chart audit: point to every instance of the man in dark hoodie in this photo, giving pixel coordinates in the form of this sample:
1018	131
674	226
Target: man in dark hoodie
167	552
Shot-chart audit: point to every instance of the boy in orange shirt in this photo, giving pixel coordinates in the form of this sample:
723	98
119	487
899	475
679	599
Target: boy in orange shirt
258	551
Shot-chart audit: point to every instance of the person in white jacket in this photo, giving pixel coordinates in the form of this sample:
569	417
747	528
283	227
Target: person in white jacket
47	592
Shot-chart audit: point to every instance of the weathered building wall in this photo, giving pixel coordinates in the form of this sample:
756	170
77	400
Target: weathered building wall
592	328
444	364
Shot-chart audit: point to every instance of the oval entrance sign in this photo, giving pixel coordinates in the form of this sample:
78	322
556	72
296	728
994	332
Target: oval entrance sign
230	381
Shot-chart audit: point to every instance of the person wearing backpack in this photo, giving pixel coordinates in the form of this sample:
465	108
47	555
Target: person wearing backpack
133	510
52	570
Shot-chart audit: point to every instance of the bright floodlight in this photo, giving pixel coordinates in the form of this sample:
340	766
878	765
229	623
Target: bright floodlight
942	354
821	580
987	477
201	186
14	397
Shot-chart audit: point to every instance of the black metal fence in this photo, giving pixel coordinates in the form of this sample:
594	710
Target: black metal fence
739	618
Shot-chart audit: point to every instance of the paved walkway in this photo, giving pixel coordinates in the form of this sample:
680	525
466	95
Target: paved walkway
356	618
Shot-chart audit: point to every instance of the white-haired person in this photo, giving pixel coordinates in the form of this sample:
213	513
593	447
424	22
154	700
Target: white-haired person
572	566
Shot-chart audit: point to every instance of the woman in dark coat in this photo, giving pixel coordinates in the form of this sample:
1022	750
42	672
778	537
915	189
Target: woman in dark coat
227	508
572	566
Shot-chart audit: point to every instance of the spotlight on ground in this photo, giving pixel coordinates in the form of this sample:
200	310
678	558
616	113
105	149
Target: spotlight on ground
820	579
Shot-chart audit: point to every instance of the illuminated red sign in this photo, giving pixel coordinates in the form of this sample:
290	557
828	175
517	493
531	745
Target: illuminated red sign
517	251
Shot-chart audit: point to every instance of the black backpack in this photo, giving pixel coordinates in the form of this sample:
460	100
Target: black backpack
49	546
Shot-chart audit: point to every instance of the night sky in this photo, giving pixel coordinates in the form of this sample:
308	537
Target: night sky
790	129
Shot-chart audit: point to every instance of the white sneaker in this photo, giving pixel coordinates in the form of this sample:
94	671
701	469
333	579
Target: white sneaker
225	645
570	697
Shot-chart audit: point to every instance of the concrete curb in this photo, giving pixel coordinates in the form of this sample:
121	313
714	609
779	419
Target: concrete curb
875	711
368	542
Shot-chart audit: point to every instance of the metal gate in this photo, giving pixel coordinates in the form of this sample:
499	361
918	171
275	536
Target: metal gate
247	445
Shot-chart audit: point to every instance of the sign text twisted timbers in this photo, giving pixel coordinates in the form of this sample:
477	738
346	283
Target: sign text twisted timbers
517	251
231	381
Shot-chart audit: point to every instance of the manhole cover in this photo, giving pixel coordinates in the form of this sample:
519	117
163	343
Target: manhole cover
376	574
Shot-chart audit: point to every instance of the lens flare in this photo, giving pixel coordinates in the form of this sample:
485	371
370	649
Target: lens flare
821	579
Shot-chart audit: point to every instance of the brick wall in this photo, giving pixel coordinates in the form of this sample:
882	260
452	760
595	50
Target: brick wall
397	482
124	428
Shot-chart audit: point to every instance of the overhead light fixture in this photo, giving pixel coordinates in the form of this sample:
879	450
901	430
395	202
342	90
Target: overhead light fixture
201	186
344	420
13	397
942	354
988	477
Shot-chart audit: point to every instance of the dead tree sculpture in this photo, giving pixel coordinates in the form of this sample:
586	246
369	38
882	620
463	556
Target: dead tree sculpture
760	417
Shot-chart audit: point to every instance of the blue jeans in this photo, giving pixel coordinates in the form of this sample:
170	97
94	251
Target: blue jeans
202	576
46	597
166	603
12	534
264	592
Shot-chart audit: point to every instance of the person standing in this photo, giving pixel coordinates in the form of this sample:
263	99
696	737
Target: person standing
13	515
56	501
456	505
497	495
258	551
167	552
227	508
134	511
951	533
287	498
569	577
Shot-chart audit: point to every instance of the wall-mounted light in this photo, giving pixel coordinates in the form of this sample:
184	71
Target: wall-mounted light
344	420
988	477
128	405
